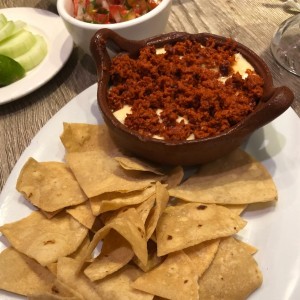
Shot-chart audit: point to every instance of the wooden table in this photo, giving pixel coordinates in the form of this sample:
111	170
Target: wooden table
251	24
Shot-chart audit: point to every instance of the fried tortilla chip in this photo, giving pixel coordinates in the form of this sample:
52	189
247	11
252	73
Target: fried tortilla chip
113	201
161	201
83	214
67	273
98	173
145	207
202	255
174	177
118	285
173	279
233	274
129	225
116	252
23	275
44	239
235	179
50	186
133	163
189	224
79	137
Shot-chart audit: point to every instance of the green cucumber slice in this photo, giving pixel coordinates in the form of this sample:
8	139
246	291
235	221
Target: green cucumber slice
7	30
19	25
3	20
10	70
17	44
34	55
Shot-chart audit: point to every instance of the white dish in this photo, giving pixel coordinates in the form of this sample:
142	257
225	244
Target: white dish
60	45
274	230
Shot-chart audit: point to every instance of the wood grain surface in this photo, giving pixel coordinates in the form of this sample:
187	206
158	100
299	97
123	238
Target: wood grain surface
249	22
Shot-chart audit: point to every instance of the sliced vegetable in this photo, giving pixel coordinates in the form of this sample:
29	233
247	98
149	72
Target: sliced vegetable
7	30
3	20
10	70
17	44
34	55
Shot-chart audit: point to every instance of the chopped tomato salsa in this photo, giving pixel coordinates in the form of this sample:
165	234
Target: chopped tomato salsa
111	11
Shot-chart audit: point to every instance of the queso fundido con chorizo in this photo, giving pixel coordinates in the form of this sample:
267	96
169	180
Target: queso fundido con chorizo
185	91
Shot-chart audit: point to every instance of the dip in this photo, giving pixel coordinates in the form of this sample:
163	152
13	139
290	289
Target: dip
184	91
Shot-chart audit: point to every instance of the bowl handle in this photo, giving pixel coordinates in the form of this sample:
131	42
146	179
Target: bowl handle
279	102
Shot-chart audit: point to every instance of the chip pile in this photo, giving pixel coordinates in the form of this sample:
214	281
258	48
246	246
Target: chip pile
110	226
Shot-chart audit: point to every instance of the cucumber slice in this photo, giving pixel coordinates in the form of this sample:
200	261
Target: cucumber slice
34	55
17	44
19	25
3	20
7	30
10	70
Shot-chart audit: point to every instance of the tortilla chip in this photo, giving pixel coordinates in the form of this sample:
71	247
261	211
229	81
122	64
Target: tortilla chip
118	285
133	163
59	291
233	274
79	137
173	279
175	177
130	226
202	255
67	273
153	259
116	252
43	239
23	275
145	207
189	224
113	201
83	214
50	186
229	180
161	202
237	208
98	173
249	248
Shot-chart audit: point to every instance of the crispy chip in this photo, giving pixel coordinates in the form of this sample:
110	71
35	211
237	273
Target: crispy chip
233	274
189	224
113	201
43	239
175	177
132	163
67	273
229	180
23	275
173	279
49	185
118	285
83	214
202	255
98	173
161	201
116	252
79	137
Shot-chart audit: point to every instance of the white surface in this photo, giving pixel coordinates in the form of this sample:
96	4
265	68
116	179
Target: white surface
60	45
150	24
274	230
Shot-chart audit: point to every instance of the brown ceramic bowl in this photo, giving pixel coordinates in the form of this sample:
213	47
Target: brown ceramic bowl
273	103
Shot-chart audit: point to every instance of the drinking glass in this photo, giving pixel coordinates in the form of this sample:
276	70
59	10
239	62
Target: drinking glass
285	44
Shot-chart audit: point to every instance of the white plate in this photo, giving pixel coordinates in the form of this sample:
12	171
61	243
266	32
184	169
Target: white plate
60	45
274	230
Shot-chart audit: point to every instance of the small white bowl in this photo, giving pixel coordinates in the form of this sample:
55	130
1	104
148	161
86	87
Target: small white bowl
150	24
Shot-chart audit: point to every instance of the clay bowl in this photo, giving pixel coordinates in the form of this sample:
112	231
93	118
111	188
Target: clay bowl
199	151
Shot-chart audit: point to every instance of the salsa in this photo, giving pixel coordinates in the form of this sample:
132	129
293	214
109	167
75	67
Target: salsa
187	91
111	11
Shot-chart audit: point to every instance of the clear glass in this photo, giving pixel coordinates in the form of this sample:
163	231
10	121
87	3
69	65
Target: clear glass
285	45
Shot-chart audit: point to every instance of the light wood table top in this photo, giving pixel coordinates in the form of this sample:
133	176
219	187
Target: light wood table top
251	24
